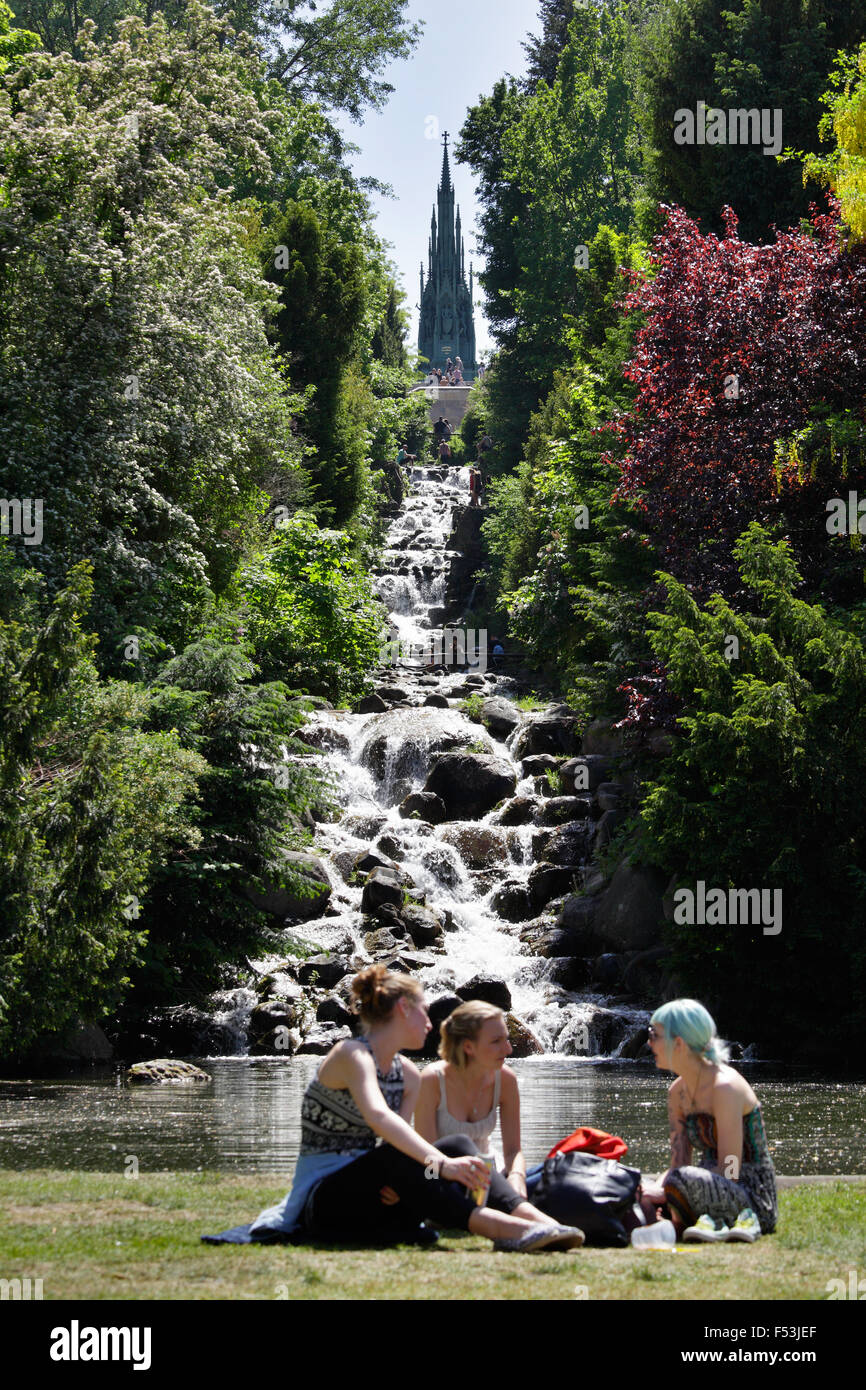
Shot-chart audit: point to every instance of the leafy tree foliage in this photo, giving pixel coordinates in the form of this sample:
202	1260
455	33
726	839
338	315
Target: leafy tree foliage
765	792
732	54
88	803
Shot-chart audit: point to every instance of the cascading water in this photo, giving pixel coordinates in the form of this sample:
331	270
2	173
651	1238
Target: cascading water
377	759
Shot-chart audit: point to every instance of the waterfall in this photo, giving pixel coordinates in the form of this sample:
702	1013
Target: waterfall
377	759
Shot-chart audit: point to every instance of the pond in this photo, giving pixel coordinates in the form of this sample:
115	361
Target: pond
247	1118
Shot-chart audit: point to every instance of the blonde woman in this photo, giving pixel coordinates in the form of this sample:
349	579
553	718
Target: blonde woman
469	1090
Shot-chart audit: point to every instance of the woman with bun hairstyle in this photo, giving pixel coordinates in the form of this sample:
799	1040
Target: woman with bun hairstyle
346	1181
712	1108
469	1090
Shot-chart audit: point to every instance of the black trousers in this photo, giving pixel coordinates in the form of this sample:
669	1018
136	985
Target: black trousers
348	1205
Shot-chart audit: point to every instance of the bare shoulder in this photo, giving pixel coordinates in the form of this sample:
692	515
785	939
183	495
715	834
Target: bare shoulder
509	1082
344	1059
729	1084
410	1071
675	1089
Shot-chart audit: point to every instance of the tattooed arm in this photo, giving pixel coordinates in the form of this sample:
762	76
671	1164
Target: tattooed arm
681	1146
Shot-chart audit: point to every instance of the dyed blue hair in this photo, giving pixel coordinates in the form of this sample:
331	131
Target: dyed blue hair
689	1020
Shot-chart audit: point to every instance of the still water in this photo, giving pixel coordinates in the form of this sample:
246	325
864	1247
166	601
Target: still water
246	1118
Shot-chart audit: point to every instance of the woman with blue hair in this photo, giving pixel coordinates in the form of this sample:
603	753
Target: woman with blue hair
731	1193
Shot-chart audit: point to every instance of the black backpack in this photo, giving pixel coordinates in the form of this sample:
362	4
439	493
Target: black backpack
581	1189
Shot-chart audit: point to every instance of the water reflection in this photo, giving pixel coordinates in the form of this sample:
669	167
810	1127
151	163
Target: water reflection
247	1118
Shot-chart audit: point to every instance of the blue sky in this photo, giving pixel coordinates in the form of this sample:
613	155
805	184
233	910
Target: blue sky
465	48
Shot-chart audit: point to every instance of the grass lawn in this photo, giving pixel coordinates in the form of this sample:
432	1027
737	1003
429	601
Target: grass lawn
99	1235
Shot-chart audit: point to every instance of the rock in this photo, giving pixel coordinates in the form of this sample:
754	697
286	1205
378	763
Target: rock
162	1070
373	859
83	1042
601	737
470	784
399	744
635	1043
436	701
380	942
539	763
271	1014
279	1042
322	1038
323	737
630	914
371	704
571	972
333	1010
391	692
607	969
512	902
557	810
438	1009
390	916
578	916
523	1041
569	845
518	811
547	881
427	805
499	716
389	845
547	733
488	988
585	774
478	845
296	903
604	830
384	885
364	827
609	796
423	925
324	970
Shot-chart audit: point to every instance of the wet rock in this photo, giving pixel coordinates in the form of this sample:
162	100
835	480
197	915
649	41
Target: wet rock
323	970
162	1070
499	716
371	704
333	1010
278	985
364	827
586	773
390	846
643	974
571	972
307	896
410	961
83	1042
478	845
547	733
488	988
470	784
540	763
630	913
436	701
546	881
604	830
401	743
322	1038
384	885
569	845
607	969
423	925
512	902
635	1043
578	915
391	692
373	859
323	737
557	810
278	1042
380	942
523	1041
518	811
272	1014
428	806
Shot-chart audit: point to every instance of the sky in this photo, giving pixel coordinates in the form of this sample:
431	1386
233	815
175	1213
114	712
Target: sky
466	46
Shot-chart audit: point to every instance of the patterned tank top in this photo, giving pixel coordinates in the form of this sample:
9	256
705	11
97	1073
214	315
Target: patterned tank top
331	1121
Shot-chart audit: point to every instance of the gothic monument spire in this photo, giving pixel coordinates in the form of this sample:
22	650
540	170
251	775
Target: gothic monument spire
447	328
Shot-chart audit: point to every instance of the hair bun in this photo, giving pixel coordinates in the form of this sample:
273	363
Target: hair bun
367	984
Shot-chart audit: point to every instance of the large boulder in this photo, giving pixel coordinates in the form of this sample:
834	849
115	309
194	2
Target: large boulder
518	811
371	704
423	925
380	942
554	731
499	716
479	846
163	1070
585	774
487	988
512	902
437	1010
523	1041
601	737
322	1038
557	810
470	784
324	970
425	805
569	845
384	885
630	914
307	896
548	881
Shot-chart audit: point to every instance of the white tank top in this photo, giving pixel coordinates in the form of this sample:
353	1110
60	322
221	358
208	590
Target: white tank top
480	1131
